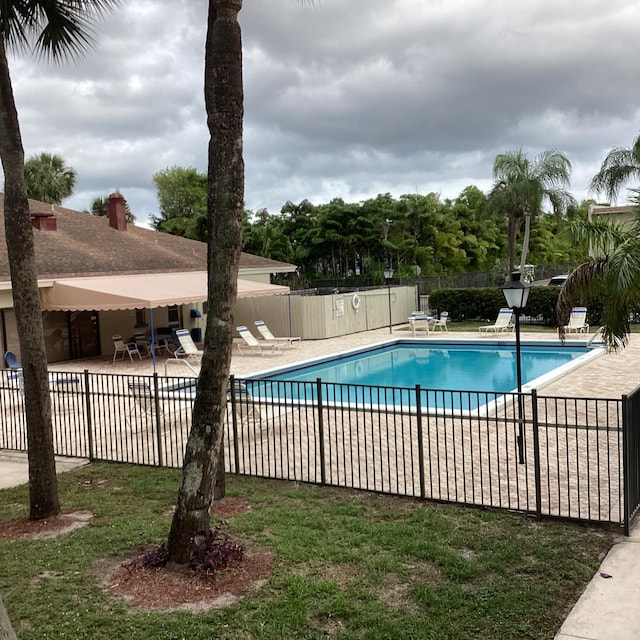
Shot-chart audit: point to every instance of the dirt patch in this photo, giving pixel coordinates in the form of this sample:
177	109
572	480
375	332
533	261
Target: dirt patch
160	589
168	590
47	529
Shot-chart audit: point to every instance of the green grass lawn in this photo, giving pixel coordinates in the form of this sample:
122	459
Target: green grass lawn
347	565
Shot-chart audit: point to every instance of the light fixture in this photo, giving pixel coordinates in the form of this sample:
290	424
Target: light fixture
516	293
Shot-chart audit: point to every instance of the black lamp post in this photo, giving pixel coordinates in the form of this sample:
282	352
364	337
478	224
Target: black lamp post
516	294
388	274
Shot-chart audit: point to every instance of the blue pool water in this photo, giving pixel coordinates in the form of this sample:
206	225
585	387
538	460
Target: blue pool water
468	367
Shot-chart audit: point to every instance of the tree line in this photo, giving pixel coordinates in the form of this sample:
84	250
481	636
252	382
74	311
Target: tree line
415	234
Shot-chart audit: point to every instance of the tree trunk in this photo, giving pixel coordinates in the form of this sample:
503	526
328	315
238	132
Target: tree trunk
514	226
43	482
525	239
6	630
225	204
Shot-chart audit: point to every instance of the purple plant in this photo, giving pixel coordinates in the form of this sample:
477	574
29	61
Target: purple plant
216	551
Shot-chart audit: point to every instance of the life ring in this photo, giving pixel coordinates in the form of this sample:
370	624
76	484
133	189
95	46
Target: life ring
355	301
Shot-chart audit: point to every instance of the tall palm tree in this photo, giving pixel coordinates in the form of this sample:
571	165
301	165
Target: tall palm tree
613	274
522	186
203	467
57	28
620	165
48	178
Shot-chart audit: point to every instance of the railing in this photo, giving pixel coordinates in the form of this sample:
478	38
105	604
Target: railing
453	446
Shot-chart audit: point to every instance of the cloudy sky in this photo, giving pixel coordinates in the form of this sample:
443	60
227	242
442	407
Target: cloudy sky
343	98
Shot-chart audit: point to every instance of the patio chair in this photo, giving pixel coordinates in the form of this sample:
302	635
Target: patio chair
11	360
577	321
419	321
128	348
15	368
252	344
441	323
503	322
187	348
265	332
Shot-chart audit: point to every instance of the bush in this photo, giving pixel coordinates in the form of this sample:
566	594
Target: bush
483	304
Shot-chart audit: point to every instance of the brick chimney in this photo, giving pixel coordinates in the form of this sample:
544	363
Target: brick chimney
117	212
44	221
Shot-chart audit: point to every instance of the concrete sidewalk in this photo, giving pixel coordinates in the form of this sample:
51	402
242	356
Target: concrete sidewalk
609	606
14	468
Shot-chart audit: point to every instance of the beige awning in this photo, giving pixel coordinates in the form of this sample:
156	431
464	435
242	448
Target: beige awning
148	291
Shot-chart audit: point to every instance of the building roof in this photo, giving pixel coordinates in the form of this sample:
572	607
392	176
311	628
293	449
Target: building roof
86	245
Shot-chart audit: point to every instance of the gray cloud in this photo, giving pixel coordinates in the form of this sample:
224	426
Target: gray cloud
343	99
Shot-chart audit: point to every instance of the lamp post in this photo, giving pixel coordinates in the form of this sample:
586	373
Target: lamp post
388	274
516	294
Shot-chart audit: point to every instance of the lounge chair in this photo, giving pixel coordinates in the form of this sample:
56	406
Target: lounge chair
129	348
441	323
503	322
269	337
577	321
187	347
254	345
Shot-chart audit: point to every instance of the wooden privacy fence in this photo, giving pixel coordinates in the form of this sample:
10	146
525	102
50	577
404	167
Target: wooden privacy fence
581	455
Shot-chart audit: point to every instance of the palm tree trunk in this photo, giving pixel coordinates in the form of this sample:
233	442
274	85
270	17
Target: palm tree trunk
225	204
525	239
43	484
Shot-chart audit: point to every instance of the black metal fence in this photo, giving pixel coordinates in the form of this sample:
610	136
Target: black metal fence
581	455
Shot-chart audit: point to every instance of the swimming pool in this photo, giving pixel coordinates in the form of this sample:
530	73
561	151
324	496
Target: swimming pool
388	373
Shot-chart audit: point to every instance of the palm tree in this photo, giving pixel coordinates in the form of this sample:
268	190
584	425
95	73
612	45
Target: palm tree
620	165
56	28
613	274
520	189
48	178
203	467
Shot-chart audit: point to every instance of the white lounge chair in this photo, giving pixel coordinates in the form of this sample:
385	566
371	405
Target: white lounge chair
503	322
267	335
441	323
187	348
577	321
251	343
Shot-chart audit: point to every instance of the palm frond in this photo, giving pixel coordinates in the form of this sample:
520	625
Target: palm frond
52	28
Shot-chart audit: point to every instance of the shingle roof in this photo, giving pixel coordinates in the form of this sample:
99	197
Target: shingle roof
84	244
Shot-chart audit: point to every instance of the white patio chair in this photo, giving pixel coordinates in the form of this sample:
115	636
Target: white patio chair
120	346
503	322
265	332
252	344
441	323
419	321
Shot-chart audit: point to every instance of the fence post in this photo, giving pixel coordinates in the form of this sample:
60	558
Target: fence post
323	475
626	440
420	440
234	423
87	408
536	452
159	417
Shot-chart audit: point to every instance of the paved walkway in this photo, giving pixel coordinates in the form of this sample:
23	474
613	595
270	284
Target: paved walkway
608	608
